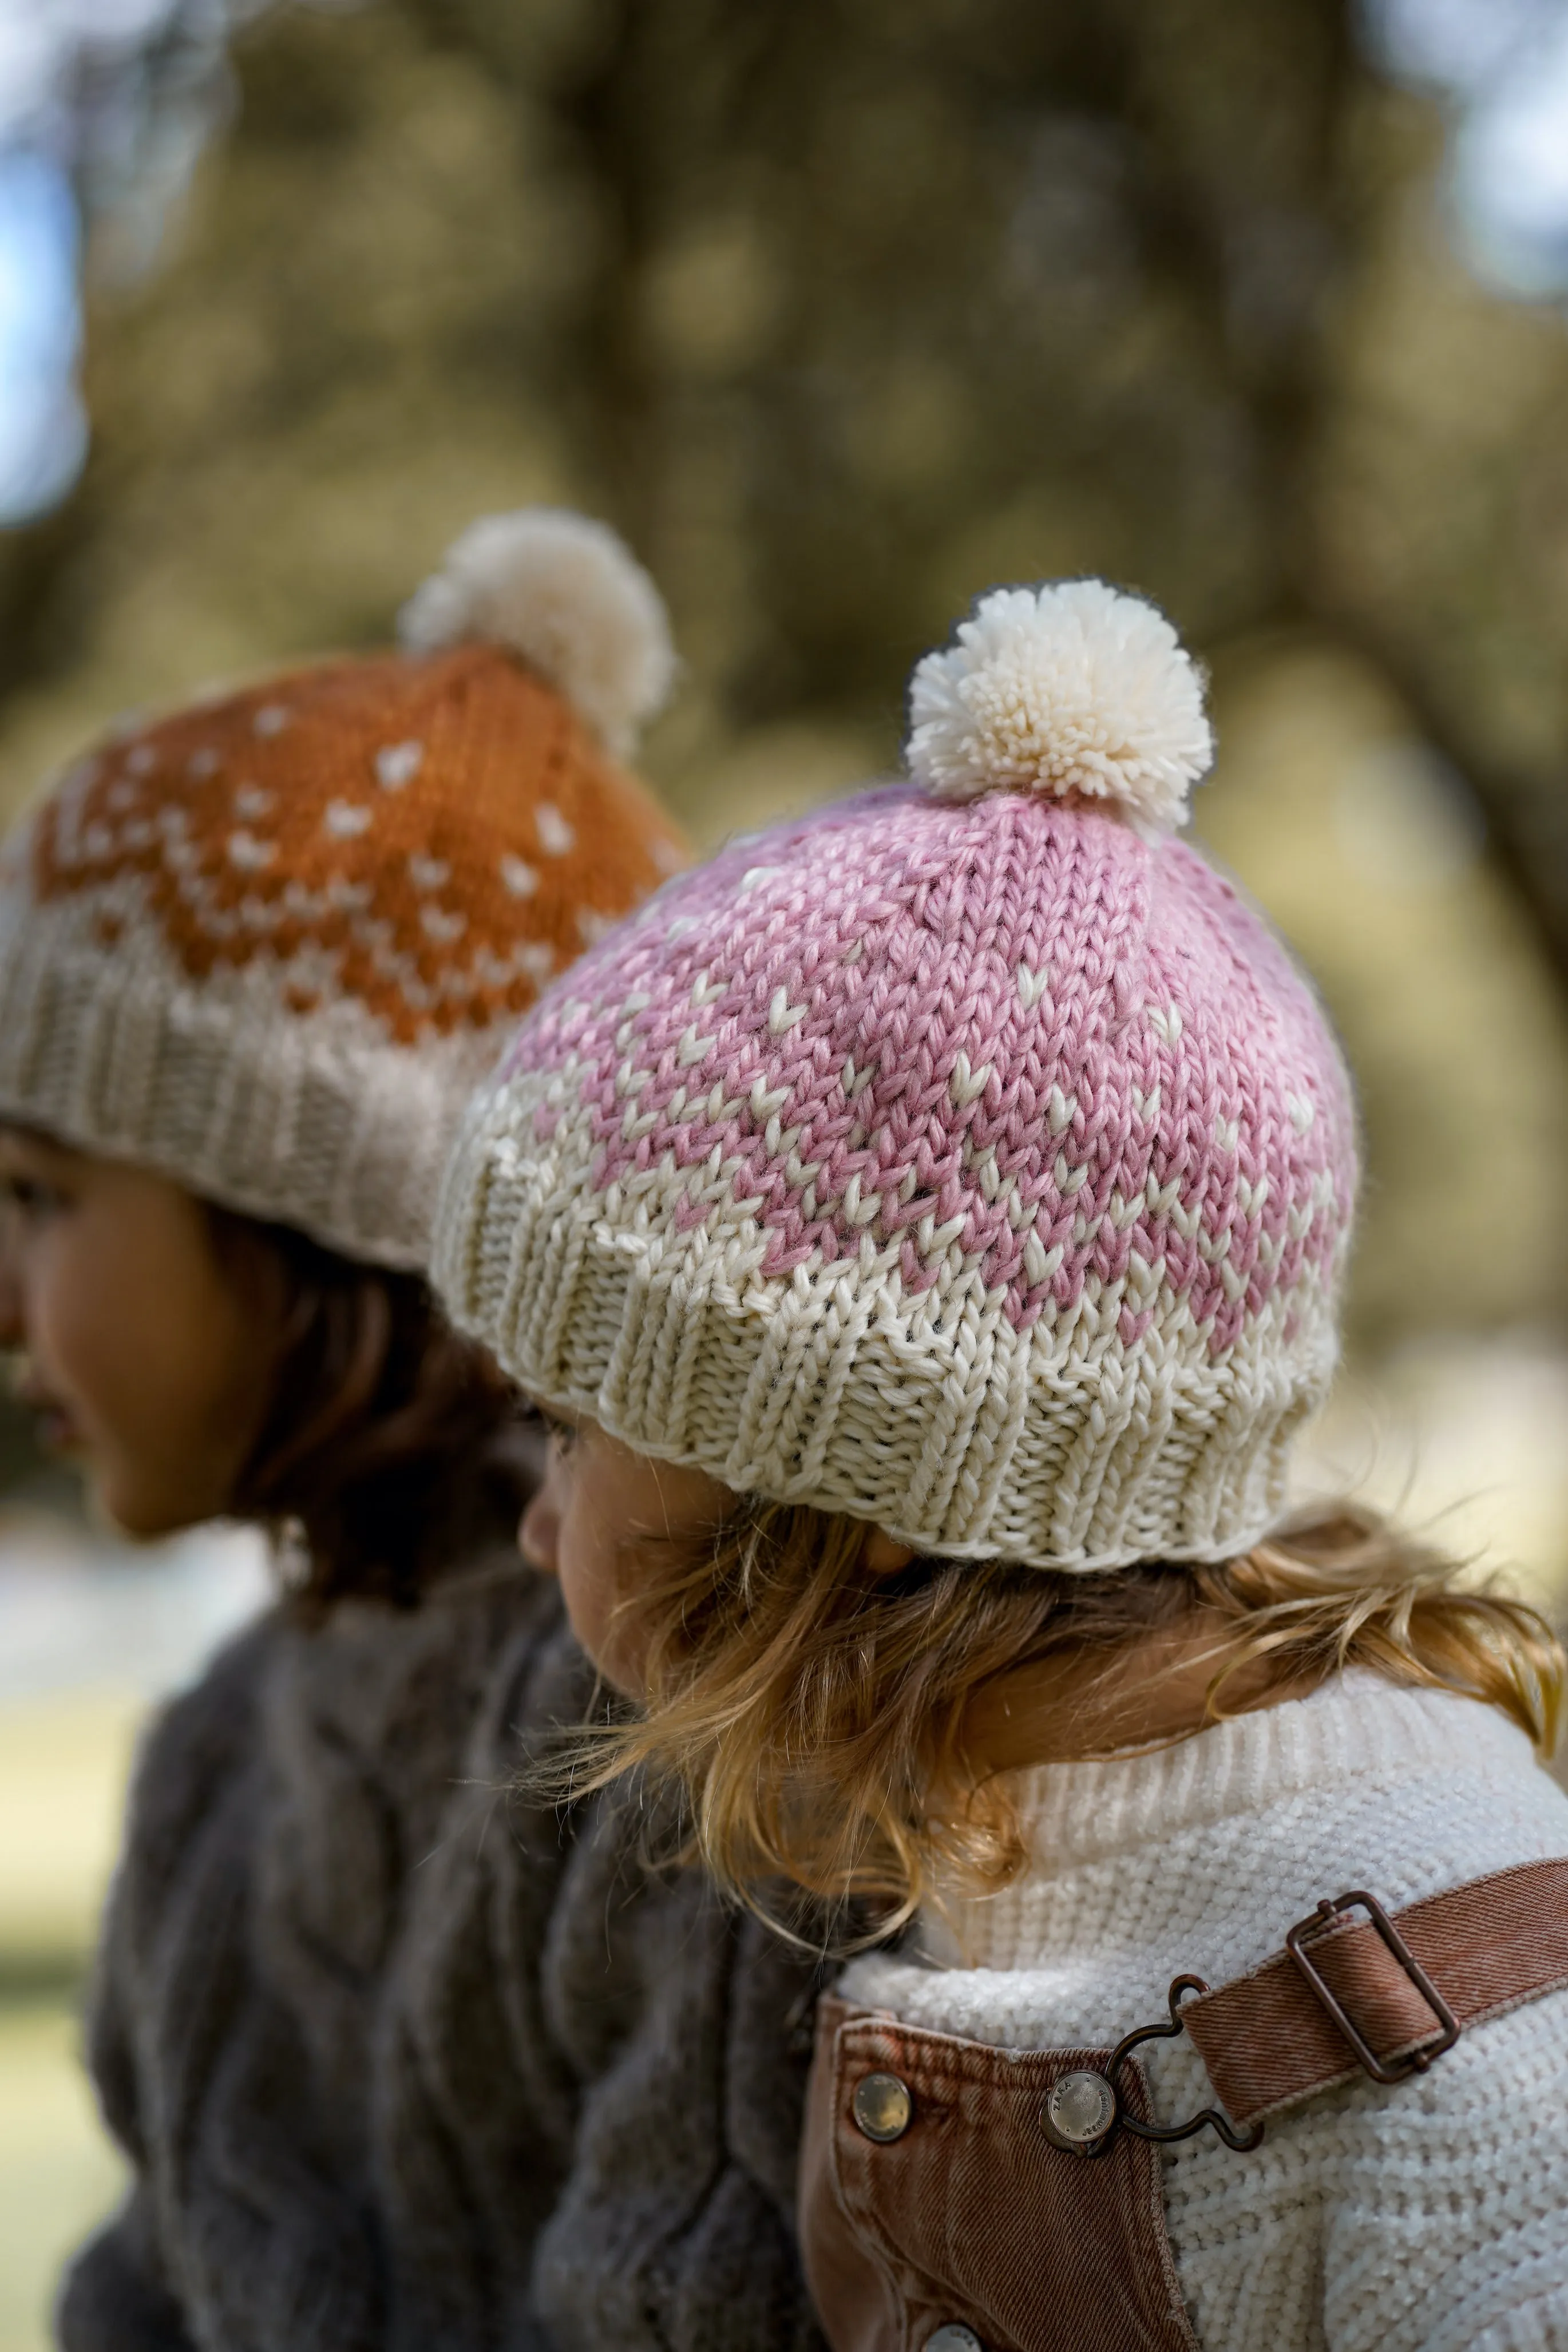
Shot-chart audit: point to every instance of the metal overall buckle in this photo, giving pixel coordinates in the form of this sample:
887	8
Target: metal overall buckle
1083	2110
1084	2118
1307	1932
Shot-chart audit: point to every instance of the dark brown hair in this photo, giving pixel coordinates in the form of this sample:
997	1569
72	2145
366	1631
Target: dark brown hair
392	1445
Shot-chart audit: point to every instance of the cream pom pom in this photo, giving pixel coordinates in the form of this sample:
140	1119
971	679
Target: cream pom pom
569	596
1071	687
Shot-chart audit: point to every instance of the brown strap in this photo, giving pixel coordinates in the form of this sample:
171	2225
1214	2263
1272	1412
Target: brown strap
1269	2038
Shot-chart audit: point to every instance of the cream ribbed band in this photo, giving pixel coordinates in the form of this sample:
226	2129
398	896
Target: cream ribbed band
925	1410
319	1120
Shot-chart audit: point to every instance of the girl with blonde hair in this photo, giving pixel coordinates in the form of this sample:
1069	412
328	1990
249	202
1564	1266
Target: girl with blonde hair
925	1231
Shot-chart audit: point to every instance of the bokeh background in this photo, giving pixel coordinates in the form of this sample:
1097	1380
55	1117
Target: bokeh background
841	310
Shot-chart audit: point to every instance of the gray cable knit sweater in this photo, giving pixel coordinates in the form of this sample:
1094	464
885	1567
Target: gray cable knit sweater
399	2061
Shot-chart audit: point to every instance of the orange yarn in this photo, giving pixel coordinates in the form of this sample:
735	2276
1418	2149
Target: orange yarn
432	837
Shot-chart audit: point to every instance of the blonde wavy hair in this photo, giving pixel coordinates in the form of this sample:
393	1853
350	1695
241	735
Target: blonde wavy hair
804	1708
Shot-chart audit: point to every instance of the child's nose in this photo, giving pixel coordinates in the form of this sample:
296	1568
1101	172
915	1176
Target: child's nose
537	1532
13	1322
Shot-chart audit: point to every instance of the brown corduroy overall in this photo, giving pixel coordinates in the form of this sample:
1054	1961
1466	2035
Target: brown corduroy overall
958	2198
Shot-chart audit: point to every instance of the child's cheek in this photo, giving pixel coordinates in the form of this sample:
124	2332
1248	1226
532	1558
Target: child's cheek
61	1322
580	1585
589	1585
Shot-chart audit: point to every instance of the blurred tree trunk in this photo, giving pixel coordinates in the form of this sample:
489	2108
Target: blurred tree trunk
844	307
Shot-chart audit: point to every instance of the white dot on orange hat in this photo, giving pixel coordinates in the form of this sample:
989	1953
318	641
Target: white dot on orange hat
556	835
346	819
249	854
442	924
397	764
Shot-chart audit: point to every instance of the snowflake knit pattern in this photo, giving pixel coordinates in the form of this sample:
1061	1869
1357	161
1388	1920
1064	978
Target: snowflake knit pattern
971	1160
1425	2216
268	944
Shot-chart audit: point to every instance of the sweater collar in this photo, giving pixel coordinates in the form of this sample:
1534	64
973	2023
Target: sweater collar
1079	1815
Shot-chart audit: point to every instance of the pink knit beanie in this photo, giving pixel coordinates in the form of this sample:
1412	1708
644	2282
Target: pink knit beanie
968	1157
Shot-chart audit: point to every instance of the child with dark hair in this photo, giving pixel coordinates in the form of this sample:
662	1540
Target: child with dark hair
253	957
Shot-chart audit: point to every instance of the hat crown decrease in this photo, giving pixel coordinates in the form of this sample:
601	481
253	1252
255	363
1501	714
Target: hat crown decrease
1072	690
566	593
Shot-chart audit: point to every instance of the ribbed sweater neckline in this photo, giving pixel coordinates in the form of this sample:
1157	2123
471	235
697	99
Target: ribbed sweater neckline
1078	1815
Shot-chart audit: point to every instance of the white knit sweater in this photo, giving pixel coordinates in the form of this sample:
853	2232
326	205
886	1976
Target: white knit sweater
1431	2215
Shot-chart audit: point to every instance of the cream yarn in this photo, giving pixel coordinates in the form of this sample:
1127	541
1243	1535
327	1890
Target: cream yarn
1071	687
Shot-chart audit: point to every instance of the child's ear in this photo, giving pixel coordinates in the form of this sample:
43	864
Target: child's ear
884	1556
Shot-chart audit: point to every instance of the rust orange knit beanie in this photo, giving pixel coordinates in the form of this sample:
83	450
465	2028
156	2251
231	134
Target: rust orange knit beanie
266	945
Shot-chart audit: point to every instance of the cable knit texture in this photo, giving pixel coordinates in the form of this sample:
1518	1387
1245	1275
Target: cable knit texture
268	944
403	2063
1422	2218
983	1170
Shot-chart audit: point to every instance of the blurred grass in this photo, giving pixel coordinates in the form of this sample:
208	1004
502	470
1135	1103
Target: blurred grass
57	2172
63	1764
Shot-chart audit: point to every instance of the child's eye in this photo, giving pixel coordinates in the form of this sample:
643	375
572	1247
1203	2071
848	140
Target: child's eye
560	1433
26	1197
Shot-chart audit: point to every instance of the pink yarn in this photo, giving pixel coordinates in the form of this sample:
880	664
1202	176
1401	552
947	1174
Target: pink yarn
1013	1028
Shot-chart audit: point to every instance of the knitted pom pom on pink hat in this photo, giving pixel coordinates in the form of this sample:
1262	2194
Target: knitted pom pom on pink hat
968	1157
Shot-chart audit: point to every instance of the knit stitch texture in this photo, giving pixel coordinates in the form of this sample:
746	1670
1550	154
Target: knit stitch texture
1427	2217
985	1170
268	944
402	2063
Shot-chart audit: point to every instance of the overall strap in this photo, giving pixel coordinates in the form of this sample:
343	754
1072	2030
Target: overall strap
1357	1990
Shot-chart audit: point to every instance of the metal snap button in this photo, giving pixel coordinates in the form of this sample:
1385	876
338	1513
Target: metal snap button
953	2337
882	2107
1079	2110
